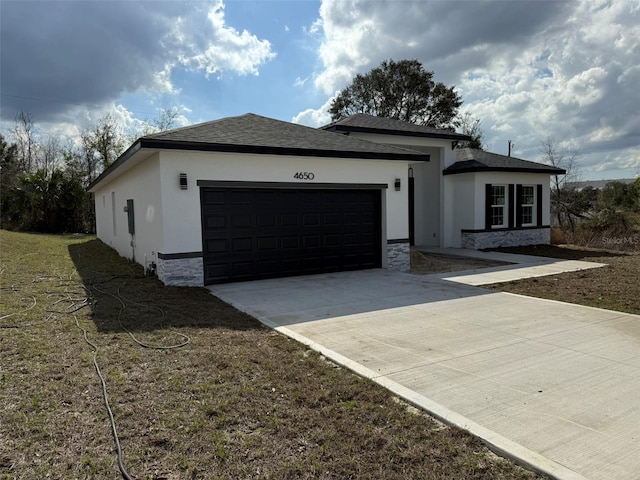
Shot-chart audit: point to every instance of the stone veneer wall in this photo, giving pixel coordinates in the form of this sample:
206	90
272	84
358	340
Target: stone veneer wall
505	238
181	272
399	256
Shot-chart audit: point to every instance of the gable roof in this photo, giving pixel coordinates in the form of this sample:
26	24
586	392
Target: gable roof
361	122
472	160
250	133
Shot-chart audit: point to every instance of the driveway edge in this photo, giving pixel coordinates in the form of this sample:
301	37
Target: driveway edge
495	442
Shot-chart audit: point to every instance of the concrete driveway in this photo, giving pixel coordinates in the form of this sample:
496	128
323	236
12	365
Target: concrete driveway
553	385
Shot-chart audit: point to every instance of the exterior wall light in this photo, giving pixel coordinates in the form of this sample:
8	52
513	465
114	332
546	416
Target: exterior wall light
397	184
183	181
410	172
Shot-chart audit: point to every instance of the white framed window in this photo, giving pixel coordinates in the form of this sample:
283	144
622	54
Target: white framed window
527	202
498	206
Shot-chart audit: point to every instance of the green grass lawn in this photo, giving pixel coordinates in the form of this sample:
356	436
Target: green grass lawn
238	401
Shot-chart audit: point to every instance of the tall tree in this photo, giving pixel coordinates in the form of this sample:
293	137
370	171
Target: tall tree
101	146
166	120
24	134
470	125
401	90
9	178
563	195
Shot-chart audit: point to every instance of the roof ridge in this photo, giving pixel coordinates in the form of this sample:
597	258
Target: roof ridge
198	125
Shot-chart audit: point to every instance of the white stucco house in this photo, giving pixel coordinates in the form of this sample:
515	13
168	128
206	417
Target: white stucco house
250	197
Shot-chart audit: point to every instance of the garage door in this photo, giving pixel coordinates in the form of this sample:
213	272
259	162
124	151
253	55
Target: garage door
255	233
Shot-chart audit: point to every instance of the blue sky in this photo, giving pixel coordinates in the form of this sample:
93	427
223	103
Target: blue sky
528	70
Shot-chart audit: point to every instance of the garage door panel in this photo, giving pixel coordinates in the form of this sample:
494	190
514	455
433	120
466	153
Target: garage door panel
310	219
289	242
241	197
217	246
311	241
267	244
267	268
265	233
213	197
289	220
242	245
215	221
242	220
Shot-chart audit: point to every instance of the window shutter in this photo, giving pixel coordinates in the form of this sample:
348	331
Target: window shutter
487	206
539	205
511	202
518	206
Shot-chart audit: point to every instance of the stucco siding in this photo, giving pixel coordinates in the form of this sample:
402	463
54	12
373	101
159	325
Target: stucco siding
506	178
142	184
464	206
182	231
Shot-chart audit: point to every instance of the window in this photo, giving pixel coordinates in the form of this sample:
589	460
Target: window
527	202
513	206
498	202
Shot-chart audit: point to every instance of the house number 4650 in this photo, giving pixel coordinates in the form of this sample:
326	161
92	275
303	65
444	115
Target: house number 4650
304	176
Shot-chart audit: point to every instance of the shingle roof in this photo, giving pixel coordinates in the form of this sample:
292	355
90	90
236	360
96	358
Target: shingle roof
361	122
472	160
252	133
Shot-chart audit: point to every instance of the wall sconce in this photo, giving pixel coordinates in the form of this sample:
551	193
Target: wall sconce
410	172
183	181
397	184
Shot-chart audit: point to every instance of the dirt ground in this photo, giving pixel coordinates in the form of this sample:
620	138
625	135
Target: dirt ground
614	287
429	263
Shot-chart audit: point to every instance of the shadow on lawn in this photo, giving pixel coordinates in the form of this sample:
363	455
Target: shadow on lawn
124	298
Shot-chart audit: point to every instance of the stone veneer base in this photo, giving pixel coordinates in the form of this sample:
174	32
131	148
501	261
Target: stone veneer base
181	272
189	272
399	256
506	238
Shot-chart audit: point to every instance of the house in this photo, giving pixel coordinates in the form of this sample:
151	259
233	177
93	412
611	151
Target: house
250	197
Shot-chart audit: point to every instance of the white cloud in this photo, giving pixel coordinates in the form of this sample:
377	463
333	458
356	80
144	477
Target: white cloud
213	46
526	69
315	117
104	50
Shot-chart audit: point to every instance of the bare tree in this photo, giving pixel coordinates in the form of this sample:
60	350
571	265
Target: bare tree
24	136
101	146
51	154
166	120
563	195
470	125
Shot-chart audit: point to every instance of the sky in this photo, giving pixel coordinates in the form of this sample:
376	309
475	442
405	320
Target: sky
529	70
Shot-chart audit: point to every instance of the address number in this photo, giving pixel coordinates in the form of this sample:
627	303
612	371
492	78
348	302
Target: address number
304	176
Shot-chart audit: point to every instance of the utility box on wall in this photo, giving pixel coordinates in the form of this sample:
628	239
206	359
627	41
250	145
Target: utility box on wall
130	218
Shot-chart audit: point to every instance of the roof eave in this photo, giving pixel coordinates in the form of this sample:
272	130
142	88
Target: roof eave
158	144
262	149
130	152
403	133
504	169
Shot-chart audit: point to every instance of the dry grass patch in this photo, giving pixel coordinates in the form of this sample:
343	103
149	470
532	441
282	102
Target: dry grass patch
614	287
239	401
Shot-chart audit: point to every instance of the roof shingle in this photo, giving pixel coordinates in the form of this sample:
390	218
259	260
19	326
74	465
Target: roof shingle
472	160
361	122
252	133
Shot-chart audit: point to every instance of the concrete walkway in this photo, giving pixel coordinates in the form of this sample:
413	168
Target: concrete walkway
521	266
553	385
